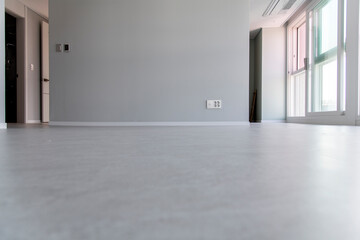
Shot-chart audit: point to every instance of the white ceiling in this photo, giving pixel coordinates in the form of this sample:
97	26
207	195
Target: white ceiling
39	6
277	19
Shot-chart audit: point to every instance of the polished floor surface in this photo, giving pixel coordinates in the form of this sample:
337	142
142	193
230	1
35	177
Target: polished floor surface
258	182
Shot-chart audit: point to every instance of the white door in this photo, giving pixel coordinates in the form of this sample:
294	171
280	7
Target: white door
45	85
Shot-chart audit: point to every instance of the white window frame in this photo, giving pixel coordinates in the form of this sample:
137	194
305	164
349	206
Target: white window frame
294	25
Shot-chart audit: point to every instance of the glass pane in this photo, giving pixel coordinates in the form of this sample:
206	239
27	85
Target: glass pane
327	17
294	50
324	78
297	95
301	32
325	87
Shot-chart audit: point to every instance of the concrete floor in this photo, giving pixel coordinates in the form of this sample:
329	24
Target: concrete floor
258	182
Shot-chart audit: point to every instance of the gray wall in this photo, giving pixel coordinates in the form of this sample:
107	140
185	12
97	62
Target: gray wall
33	56
273	73
2	64
149	60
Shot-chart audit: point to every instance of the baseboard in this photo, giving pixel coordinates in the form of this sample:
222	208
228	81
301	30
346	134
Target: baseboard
145	124
325	120
3	126
33	121
270	121
273	121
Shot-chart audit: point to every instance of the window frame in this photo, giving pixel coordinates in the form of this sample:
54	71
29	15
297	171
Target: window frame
301	20
291	58
339	52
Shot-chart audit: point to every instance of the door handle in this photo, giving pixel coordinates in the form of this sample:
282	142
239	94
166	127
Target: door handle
46	80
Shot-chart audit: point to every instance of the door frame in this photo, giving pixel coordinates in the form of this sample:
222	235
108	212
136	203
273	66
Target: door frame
45	74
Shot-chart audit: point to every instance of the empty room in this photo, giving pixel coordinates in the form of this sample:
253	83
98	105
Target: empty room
179	119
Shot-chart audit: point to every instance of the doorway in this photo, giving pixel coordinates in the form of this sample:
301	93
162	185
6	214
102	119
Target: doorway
25	97
10	69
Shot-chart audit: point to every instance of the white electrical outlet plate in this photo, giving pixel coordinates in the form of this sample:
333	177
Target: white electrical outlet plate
214	104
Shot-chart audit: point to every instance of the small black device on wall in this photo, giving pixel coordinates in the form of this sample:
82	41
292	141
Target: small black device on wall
67	47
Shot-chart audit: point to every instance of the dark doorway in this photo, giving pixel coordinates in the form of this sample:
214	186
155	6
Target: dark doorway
11	71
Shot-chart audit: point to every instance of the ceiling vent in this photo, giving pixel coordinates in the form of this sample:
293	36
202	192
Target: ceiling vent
279	7
289	4
269	10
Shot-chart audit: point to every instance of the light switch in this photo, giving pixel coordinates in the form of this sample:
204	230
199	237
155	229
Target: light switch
59	48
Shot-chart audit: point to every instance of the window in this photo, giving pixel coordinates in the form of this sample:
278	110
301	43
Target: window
297	76
301	46
316	80
324	57
297	95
